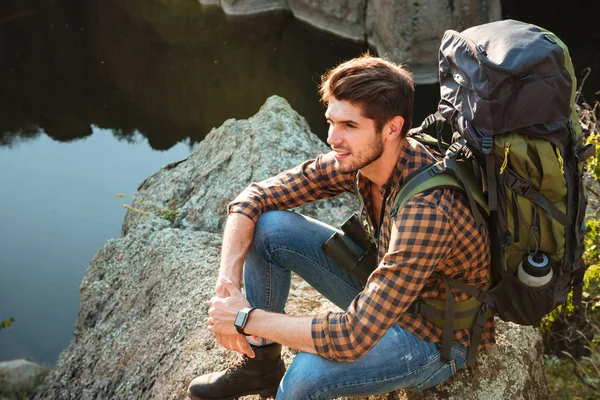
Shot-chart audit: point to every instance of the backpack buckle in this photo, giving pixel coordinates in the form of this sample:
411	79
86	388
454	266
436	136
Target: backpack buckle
416	307
427	122
526	191
437	168
455	148
487	144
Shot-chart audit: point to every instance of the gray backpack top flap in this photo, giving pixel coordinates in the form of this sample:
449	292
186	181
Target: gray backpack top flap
503	76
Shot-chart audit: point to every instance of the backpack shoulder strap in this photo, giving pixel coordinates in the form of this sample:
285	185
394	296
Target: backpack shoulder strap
437	176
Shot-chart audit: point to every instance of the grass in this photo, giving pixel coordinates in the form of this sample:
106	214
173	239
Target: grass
146	207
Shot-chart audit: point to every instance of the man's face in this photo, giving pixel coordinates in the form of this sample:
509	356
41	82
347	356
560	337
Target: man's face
352	136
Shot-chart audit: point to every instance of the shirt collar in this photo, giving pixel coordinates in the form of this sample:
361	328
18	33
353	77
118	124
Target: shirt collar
412	156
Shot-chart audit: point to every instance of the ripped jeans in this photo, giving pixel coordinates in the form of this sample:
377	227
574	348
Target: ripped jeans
286	242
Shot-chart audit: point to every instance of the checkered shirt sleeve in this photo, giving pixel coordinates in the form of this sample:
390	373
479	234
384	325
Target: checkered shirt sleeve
421	238
312	180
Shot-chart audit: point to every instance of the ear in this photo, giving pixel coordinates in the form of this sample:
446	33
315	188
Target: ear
393	128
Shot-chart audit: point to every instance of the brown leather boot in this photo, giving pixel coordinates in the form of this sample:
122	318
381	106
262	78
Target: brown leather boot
244	376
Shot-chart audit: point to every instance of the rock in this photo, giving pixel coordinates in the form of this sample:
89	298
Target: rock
512	369
411	31
343	18
144	299
19	377
239	152
403	31
251	7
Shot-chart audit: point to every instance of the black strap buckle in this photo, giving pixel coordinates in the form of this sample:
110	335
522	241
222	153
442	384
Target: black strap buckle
437	168
416	307
427	122
455	148
487	144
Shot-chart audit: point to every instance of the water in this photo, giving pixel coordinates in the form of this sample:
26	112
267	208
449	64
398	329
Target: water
58	207
98	95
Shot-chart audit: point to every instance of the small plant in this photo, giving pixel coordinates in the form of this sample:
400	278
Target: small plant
6	323
571	335
147	207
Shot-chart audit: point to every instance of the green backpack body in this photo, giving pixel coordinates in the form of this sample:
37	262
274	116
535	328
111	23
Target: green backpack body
516	149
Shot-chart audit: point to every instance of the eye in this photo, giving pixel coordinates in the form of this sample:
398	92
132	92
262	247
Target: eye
350	125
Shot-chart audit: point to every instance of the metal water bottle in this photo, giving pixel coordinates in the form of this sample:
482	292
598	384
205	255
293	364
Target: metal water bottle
535	270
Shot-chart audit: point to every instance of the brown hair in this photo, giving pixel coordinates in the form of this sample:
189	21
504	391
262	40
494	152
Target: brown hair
383	89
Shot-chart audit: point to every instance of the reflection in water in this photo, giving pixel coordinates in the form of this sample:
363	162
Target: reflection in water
169	72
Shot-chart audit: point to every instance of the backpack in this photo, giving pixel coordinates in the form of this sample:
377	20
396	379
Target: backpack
516	149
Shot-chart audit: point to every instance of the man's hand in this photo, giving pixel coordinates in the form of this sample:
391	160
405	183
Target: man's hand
220	289
223	310
237	343
222	313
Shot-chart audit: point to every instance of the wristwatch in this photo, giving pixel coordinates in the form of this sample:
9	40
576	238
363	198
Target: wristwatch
241	319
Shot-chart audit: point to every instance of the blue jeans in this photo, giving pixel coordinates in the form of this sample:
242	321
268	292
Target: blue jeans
284	242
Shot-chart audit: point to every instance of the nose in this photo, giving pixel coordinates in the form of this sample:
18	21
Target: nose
334	137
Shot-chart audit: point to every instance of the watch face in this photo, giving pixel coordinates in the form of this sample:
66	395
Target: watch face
240	319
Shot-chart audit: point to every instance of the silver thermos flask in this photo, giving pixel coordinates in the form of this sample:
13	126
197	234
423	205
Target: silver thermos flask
535	270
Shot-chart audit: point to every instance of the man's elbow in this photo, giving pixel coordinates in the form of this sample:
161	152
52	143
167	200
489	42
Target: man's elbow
355	350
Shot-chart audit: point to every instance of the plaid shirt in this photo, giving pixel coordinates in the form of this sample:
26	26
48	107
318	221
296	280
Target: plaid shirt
432	232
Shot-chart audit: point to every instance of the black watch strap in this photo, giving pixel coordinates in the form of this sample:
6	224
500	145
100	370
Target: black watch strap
242	319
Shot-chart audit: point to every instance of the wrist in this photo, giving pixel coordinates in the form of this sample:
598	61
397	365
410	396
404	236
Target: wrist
241	320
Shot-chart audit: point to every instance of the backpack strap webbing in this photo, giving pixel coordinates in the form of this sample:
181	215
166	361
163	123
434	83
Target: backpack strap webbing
578	282
526	189
450	315
477	333
435	118
487	145
470	189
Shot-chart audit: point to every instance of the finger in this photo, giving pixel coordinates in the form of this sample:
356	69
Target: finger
212	311
246	348
256	339
220	290
231	288
223	287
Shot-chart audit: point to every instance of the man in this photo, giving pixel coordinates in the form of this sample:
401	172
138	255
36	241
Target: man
376	344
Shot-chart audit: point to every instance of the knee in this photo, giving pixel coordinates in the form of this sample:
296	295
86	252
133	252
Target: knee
300	381
271	225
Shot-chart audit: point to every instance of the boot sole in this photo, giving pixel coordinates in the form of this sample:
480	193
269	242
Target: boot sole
264	393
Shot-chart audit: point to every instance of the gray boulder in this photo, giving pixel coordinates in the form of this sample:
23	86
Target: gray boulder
404	31
144	299
19	377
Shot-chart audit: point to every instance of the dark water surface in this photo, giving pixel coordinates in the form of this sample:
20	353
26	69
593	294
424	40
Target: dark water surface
98	95
95	97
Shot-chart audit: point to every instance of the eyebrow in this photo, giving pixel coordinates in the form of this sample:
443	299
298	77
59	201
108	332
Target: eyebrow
345	121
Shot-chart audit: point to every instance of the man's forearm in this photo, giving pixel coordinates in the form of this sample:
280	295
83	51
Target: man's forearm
238	234
291	331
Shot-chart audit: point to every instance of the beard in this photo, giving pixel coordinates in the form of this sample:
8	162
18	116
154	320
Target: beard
361	159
